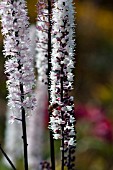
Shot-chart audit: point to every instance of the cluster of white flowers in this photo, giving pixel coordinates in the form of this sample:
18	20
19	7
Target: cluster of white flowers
12	130
19	61
42	40
61	74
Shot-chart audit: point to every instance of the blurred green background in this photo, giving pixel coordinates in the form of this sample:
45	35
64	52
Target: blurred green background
93	83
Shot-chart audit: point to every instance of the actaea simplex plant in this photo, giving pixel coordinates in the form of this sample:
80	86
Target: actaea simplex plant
55	21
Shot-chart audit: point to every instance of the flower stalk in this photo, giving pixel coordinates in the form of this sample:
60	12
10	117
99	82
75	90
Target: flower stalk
24	137
8	159
62	119
44	27
62	116
19	63
52	151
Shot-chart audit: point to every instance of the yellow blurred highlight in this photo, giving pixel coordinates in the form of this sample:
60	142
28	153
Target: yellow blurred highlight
103	93
96	17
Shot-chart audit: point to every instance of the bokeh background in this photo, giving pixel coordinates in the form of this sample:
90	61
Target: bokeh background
93	86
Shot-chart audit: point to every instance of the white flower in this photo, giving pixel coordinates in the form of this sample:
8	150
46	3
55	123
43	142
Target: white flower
55	112
12	119
59	121
19	61
56	66
62	62
71	142
69	108
57	136
70	77
64	109
42	41
72	119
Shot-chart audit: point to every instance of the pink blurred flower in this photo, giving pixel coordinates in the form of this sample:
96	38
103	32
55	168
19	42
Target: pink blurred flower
95	114
102	127
81	112
104	130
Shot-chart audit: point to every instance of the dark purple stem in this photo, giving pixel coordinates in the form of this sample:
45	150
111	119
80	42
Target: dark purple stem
52	152
62	141
24	137
8	159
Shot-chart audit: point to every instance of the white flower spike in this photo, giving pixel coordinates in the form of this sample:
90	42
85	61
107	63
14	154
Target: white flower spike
19	61
62	61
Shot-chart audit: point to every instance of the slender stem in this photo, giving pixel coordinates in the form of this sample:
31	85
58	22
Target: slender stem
24	137
69	157
18	119
52	152
8	159
24	131
62	141
62	113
